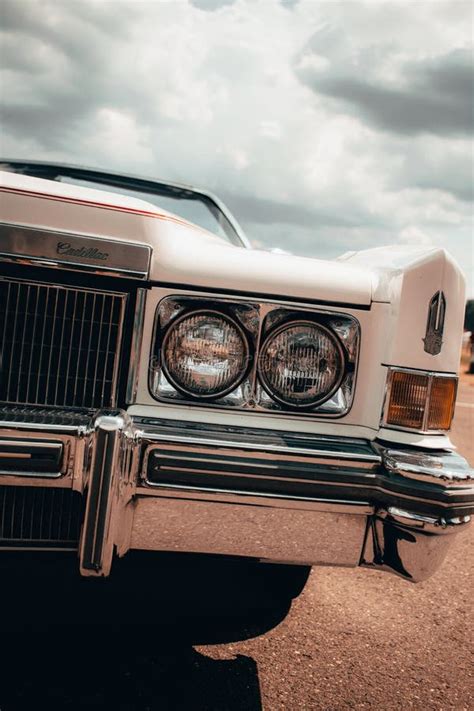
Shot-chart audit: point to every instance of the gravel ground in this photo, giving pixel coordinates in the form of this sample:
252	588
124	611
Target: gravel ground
353	640
360	639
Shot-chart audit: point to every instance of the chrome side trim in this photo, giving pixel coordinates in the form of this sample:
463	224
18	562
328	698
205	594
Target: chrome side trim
226	463
428	523
248	499
25	450
51	248
25	443
136	347
256	440
253	497
377	490
70	473
324	455
447	469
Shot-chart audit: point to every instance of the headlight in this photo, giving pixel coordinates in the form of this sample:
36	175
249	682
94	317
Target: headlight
204	354
301	364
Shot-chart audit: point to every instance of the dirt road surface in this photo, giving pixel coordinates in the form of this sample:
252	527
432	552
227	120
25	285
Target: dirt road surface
359	639
354	639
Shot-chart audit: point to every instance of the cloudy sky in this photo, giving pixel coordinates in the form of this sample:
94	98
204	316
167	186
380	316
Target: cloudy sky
326	126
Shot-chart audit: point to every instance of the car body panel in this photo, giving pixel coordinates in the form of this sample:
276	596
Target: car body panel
280	485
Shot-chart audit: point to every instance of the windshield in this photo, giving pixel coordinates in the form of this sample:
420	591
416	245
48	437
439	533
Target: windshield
201	212
196	207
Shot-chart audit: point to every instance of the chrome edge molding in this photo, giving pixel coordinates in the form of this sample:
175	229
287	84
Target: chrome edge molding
446	469
136	346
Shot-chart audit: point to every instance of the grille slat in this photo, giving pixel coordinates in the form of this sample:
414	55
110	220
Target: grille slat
60	345
38	517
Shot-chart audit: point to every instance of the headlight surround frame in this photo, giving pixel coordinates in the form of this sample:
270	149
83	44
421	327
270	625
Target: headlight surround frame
256	318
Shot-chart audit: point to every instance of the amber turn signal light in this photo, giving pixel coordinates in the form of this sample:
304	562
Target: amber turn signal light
442	402
420	401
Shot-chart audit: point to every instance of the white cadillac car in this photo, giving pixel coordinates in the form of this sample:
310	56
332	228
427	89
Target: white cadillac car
164	387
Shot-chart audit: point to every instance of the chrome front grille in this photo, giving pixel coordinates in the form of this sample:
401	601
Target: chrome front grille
60	346
39	517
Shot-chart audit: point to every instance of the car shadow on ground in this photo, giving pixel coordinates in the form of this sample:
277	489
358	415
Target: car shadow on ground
127	644
71	667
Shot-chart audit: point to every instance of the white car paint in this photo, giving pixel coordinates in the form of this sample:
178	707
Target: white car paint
387	289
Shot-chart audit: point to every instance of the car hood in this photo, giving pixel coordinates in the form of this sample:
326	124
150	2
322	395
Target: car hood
186	256
182	253
204	262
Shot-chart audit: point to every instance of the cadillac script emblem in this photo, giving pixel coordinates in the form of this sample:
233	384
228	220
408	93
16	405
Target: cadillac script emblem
433	339
84	252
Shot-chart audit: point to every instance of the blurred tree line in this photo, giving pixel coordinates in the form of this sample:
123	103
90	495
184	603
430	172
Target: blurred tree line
469	316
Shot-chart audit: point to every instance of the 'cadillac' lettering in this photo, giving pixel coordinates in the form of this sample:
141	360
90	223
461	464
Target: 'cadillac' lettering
84	252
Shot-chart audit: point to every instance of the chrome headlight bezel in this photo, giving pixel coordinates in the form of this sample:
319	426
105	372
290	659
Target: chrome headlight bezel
257	319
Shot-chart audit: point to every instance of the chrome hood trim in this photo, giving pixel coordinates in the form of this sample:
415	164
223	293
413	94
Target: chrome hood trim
74	251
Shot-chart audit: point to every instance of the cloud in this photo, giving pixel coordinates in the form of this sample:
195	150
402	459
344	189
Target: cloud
325	126
413	235
211	5
432	96
268	212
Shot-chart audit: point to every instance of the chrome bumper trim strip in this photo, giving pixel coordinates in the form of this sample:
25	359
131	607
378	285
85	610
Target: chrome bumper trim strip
446	469
323	453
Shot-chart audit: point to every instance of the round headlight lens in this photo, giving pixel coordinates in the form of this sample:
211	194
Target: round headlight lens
301	364
204	354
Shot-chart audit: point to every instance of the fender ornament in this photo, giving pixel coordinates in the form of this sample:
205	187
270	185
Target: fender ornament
433	339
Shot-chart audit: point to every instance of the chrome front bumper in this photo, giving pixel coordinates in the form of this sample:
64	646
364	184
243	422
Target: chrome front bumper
172	486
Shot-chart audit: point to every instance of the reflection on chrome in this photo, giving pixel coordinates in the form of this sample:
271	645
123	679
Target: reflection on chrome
283	497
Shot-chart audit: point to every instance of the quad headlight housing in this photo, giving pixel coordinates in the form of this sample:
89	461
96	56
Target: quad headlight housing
250	355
